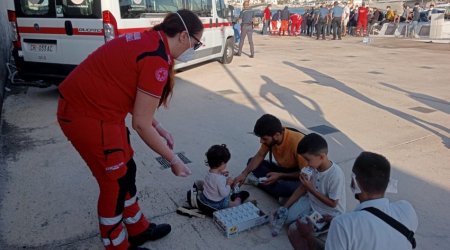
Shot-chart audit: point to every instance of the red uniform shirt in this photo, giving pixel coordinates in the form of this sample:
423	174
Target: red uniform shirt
104	85
362	13
267	14
296	18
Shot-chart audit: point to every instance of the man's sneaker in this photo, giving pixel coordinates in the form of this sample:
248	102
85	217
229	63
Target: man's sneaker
252	180
153	232
278	219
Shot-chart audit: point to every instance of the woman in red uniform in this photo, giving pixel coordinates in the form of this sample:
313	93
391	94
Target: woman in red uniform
130	74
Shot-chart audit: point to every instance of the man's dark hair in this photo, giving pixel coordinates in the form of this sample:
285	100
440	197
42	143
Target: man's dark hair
312	144
216	155
372	172
267	125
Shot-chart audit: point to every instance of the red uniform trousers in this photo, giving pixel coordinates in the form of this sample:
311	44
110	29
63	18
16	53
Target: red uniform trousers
362	23
295	28
105	148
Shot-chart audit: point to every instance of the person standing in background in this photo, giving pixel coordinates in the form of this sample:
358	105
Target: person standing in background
284	21
246	16
363	13
336	15
275	19
266	20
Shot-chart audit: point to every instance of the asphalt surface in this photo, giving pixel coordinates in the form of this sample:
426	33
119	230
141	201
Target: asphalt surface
390	96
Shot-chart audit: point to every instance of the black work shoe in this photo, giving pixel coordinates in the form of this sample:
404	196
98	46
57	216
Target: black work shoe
137	248
153	232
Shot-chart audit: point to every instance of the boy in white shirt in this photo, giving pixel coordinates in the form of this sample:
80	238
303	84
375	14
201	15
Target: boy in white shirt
323	191
217	183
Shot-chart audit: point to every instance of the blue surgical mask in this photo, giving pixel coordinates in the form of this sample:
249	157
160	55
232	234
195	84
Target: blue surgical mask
187	55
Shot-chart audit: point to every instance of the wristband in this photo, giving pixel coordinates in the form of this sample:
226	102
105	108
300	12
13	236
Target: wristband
174	160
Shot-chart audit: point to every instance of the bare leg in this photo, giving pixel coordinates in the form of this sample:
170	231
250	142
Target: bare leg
300	236
236	202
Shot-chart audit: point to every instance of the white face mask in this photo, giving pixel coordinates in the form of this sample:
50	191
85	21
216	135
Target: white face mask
354	185
187	55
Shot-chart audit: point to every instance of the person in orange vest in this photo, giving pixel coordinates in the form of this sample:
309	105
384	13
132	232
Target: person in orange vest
363	13
284	21
296	21
275	19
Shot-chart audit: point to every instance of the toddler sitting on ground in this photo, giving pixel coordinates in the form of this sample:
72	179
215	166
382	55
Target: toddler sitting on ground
217	191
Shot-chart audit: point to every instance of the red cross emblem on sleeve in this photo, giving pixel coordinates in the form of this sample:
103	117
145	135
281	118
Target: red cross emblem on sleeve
161	74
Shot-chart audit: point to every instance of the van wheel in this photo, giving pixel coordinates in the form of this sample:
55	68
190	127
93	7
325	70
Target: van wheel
228	51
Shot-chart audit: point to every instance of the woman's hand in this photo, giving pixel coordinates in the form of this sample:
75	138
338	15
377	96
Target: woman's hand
165	134
180	169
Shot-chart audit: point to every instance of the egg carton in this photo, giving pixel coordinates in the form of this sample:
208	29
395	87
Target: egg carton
234	220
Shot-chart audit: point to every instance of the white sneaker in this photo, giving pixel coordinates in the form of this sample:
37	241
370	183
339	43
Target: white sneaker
252	180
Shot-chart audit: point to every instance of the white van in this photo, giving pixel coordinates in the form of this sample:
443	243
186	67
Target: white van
53	36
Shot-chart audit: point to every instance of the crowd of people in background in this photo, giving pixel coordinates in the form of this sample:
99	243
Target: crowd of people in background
340	19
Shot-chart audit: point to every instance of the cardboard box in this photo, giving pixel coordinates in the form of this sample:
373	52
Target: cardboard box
233	220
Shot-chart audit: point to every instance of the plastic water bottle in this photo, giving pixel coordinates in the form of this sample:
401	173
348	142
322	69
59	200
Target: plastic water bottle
365	40
278	220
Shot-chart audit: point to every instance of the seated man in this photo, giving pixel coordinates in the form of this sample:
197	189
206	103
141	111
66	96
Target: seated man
282	177
361	229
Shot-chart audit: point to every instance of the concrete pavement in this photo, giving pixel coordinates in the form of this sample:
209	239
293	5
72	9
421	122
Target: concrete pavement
389	97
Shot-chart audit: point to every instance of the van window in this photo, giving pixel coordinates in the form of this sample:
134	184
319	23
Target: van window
81	8
201	7
34	7
139	8
220	6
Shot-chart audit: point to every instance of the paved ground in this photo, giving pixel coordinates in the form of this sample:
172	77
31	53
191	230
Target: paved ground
389	97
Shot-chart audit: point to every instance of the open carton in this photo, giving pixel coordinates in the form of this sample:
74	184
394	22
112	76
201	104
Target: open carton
236	219
316	219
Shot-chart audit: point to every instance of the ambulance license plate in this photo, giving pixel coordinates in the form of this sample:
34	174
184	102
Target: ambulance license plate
42	48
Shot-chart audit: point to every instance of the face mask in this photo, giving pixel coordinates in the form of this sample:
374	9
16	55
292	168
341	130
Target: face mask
187	55
354	187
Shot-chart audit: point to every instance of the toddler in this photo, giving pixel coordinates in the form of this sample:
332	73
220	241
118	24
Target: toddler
217	183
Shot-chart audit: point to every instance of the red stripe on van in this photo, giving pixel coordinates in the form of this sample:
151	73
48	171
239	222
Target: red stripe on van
62	31
56	31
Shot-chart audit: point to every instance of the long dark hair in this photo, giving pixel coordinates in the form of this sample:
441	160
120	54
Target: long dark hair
171	26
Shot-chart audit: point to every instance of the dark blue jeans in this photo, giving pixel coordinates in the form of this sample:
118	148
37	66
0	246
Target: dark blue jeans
282	187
